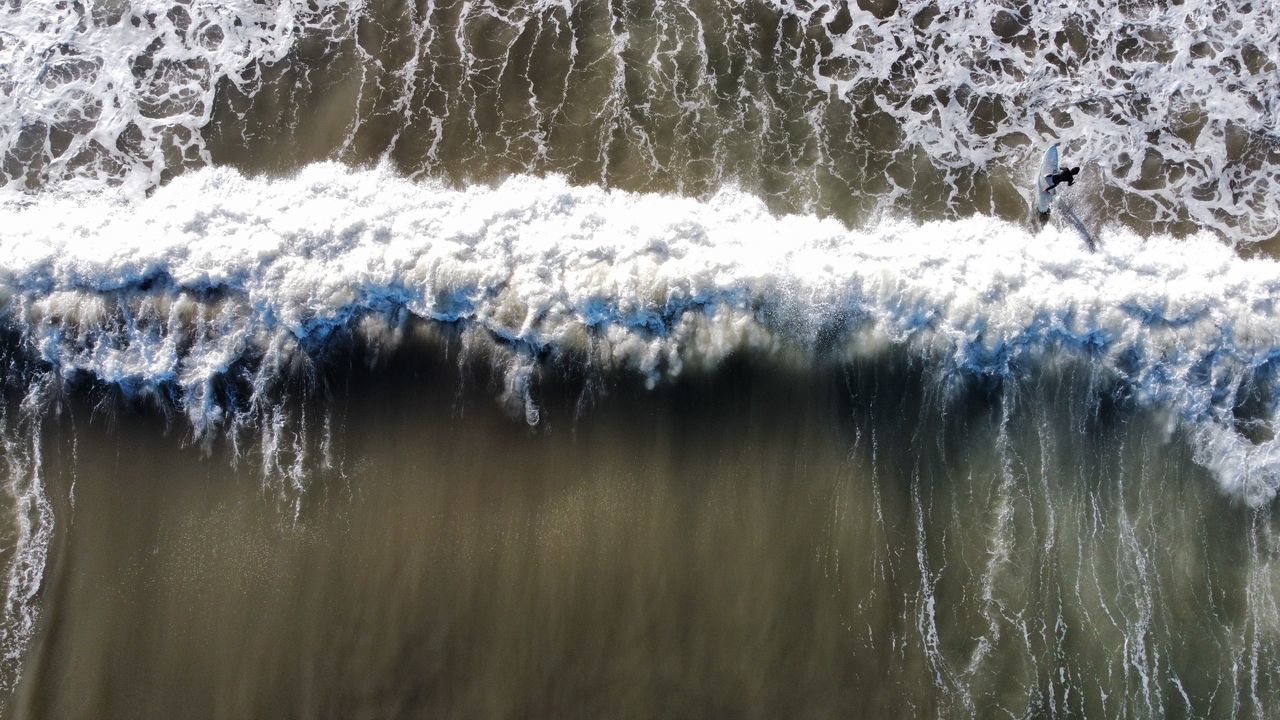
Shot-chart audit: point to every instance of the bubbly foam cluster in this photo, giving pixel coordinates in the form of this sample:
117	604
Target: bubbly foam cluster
1177	104
121	91
217	273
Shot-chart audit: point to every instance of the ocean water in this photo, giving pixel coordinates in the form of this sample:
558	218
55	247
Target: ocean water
636	359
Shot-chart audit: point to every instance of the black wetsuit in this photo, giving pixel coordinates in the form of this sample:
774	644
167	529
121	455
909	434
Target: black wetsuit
1067	175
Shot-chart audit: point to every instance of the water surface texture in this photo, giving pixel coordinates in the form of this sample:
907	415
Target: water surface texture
638	359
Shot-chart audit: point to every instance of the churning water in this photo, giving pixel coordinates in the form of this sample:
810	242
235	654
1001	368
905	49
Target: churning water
639	359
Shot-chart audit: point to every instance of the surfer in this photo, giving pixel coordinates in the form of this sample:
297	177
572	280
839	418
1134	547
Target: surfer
1067	175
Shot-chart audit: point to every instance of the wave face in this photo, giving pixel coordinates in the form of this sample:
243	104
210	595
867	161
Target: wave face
211	212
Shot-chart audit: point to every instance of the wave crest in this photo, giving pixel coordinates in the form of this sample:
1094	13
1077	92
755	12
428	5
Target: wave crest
219	275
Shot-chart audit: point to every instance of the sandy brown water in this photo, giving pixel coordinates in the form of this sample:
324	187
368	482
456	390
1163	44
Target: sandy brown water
761	542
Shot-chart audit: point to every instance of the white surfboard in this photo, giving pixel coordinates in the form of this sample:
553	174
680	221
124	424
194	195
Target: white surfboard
1048	167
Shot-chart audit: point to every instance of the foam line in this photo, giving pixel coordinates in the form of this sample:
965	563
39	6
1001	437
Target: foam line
215	269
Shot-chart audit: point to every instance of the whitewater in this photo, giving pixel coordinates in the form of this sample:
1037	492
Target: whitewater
217	274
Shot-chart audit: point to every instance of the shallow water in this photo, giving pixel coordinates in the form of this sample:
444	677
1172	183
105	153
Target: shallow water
845	540
850	110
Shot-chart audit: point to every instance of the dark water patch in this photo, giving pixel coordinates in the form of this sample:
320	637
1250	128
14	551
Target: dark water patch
767	538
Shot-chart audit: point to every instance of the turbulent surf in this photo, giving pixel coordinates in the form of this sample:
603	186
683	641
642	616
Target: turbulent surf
639	358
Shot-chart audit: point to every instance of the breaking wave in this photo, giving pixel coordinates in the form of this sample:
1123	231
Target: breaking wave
650	189
218	280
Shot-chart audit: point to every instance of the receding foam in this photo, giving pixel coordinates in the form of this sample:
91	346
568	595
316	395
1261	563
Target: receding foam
118	93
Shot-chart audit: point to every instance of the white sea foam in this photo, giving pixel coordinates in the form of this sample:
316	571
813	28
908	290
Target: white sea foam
170	293
92	92
1174	108
1178	104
